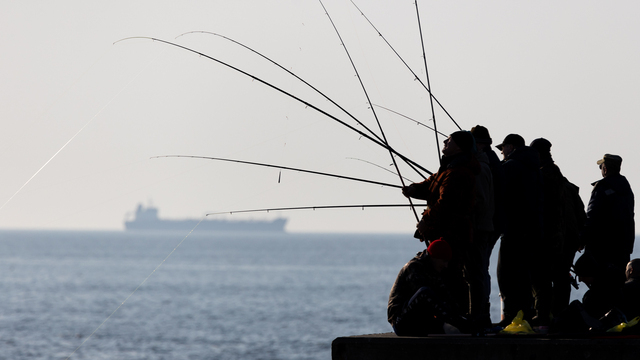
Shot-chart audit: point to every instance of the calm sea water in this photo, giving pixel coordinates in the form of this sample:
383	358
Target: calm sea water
238	296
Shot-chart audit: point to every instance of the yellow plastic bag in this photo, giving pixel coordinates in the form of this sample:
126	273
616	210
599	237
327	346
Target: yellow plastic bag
622	326
518	326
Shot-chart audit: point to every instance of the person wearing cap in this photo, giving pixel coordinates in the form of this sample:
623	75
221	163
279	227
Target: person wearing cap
510	143
419	303
610	216
484	223
450	194
523	226
563	219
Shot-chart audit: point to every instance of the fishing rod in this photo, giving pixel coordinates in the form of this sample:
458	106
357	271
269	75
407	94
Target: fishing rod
306	103
376	165
362	206
426	70
416	77
290	73
278	167
299	78
408	118
373	111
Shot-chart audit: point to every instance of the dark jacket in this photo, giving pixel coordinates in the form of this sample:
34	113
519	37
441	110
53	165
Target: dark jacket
553	190
610	217
630	303
450	195
417	273
523	194
485	199
497	175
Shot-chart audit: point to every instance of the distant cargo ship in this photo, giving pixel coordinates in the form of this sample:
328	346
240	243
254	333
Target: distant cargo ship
147	219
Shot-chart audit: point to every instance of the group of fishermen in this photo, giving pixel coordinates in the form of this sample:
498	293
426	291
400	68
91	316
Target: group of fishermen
524	200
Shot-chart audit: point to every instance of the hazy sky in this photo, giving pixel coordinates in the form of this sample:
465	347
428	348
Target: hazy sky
567	71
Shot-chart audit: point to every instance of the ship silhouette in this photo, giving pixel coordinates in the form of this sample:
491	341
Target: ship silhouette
146	219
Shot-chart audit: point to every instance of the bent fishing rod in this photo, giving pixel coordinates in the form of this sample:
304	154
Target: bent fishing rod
298	78
416	77
304	102
290	73
373	111
362	206
278	167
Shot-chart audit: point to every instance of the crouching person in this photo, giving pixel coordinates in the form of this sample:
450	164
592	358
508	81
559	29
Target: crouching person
419	303
599	309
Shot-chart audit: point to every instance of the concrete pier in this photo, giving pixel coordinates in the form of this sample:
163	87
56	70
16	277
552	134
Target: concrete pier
458	347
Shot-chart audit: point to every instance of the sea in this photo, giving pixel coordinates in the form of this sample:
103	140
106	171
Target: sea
145	295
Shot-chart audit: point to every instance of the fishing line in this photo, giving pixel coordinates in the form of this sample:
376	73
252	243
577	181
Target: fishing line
136	289
65	92
73	137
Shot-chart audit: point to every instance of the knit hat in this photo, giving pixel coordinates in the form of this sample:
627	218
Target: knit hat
542	145
481	134
465	140
440	249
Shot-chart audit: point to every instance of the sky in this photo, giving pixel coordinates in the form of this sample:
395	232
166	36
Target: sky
83	114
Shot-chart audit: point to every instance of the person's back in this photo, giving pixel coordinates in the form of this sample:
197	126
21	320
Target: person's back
610	215
610	212
419	303
417	273
523	193
523	228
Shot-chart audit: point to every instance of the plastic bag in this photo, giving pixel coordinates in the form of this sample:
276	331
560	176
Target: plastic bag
618	328
518	326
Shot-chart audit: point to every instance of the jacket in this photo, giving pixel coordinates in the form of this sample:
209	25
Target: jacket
484	201
523	194
417	273
610	216
450	195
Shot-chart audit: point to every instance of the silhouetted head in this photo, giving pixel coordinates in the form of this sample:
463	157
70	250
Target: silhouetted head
510	143
459	141
633	269
610	164
481	134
